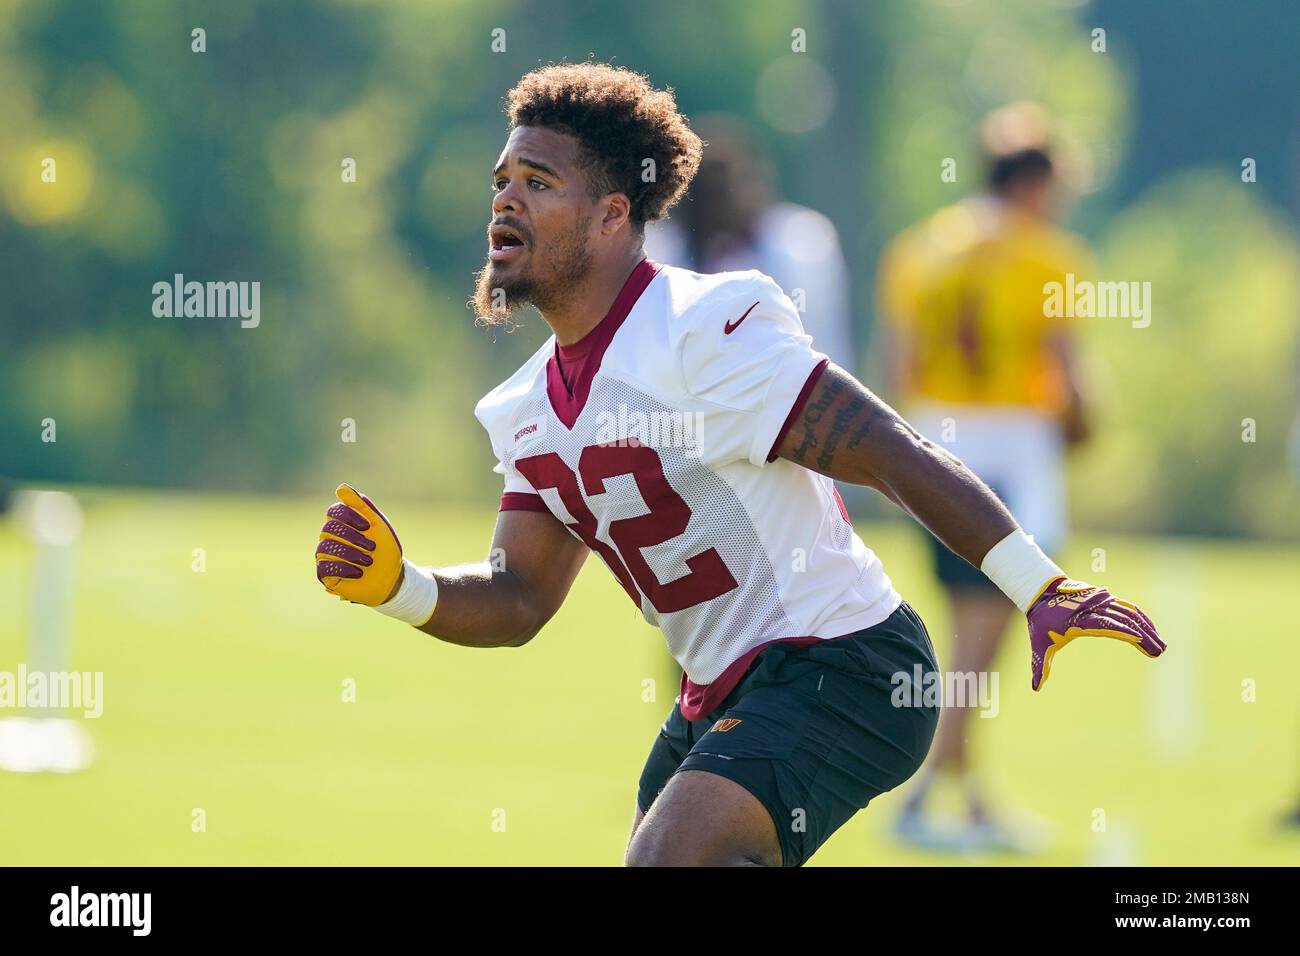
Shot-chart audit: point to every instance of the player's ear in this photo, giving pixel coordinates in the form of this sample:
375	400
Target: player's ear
616	209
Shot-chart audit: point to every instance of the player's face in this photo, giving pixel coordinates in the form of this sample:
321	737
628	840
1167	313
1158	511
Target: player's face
1038	197
542	214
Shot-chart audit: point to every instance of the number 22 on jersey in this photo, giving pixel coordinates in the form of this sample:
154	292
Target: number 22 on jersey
667	519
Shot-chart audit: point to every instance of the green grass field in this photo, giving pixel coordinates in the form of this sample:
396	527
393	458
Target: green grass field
223	691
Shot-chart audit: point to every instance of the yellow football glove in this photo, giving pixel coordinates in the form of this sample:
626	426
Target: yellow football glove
358	556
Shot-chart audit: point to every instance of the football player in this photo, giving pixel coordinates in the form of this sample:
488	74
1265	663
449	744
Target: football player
681	427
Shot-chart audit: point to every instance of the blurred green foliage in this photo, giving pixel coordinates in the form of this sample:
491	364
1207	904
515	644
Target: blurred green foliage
1195	409
226	165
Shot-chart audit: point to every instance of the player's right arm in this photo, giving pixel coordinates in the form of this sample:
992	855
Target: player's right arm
479	605
502	602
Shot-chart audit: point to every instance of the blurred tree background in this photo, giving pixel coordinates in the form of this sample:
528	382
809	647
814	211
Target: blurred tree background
226	165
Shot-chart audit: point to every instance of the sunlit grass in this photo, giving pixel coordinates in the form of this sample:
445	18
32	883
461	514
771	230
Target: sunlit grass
223	691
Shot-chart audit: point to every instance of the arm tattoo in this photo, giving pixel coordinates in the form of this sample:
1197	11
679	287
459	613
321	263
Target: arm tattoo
837	416
847	433
844	420
812	415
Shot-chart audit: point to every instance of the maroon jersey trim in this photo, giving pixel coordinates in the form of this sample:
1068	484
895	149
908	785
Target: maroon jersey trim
522	501
798	406
843	510
568	400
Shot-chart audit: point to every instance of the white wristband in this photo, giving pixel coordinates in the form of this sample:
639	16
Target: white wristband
1019	568
415	599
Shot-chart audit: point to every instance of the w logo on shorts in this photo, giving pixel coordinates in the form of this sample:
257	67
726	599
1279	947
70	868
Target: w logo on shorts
727	723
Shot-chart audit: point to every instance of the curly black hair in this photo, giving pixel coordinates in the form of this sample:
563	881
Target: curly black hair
620	120
1022	166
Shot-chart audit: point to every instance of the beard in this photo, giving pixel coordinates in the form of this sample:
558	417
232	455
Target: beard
497	297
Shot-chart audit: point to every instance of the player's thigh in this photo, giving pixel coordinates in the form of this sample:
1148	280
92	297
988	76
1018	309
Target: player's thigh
824	730
637	817
748	773
703	819
672	743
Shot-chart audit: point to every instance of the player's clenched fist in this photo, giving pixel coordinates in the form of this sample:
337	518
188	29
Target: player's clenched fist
358	556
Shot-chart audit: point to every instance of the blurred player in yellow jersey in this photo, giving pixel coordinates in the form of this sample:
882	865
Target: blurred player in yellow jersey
982	370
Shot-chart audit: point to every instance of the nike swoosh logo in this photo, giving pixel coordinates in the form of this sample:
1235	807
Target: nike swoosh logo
732	326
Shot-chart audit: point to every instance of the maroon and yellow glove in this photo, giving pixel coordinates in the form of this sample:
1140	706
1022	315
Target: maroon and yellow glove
358	556
1070	609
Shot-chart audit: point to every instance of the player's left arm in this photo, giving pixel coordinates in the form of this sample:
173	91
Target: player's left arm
846	432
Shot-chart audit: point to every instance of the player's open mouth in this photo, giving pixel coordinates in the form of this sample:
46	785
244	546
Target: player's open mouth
504	244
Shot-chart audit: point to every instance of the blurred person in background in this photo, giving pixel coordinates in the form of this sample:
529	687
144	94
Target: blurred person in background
984	371
731	221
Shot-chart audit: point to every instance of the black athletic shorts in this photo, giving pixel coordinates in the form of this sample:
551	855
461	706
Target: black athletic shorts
814	731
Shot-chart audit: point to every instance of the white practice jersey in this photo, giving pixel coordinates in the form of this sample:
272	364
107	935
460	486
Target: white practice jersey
653	441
